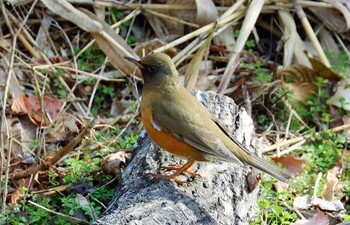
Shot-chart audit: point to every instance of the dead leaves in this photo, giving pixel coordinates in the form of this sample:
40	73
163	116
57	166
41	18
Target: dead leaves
300	80
41	111
319	218
292	164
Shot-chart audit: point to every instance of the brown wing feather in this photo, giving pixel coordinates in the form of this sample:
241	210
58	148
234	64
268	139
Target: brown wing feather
190	124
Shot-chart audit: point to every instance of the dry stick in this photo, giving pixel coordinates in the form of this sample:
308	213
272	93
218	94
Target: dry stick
66	217
4	120
253	12
290	149
64	151
50	191
310	33
58	66
297	139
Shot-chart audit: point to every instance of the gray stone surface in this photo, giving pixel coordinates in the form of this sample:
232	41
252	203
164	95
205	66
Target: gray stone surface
219	196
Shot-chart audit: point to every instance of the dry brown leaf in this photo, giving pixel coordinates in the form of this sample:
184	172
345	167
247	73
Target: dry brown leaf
331	182
319	218
322	70
18	194
299	80
32	106
114	163
158	26
307	201
292	164
302	202
23	132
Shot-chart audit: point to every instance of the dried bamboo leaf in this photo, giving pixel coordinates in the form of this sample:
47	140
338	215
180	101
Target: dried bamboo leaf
327	41
193	69
70	13
293	46
250	19
337	18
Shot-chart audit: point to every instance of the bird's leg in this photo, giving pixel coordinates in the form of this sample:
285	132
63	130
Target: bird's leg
185	170
173	176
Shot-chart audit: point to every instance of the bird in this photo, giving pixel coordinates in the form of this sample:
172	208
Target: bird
180	124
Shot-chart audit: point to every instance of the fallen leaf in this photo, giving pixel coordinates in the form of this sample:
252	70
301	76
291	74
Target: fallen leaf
322	70
306	201
332	206
292	164
331	182
32	106
302	202
319	218
299	80
114	163
18	194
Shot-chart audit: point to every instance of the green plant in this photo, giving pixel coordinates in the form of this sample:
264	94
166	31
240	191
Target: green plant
272	206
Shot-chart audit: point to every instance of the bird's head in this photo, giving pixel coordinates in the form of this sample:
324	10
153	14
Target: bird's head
156	68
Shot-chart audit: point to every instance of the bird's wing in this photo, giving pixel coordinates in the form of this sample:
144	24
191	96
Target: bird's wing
224	129
190	122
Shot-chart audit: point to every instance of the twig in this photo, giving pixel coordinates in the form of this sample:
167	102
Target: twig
66	217
64	151
305	137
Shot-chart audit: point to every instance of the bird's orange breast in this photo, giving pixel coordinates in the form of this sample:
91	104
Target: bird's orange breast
166	140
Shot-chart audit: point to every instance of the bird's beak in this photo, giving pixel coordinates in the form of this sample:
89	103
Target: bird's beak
135	61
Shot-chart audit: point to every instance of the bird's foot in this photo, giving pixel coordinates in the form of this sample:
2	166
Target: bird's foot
168	177
178	167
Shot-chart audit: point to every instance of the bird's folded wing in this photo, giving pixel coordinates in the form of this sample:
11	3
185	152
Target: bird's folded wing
190	124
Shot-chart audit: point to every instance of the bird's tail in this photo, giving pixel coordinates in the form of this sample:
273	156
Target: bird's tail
278	173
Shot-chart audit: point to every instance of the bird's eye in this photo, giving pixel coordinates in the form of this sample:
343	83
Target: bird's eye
152	69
